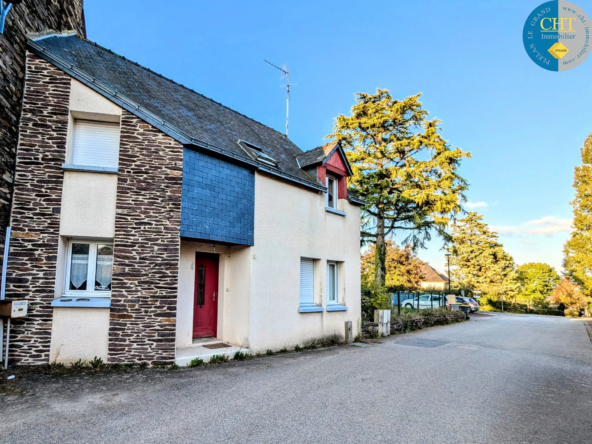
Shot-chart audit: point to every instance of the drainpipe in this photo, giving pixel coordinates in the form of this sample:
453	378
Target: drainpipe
3	296
5	263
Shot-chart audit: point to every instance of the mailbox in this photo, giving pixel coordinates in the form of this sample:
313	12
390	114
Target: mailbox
13	309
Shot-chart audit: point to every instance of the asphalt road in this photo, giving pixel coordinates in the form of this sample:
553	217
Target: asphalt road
495	379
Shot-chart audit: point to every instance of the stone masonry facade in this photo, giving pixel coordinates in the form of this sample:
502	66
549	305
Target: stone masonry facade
147	244
31	16
218	200
36	215
147	227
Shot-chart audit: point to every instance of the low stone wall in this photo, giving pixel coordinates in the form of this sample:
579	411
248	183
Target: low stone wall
370	329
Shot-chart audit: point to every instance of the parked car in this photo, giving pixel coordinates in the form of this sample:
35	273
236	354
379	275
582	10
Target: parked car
459	300
472	303
425	301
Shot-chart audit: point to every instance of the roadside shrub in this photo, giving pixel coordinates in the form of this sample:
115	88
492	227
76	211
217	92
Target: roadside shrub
96	363
56	365
196	362
269	352
242	356
173	366
219	359
572	313
78	364
298	348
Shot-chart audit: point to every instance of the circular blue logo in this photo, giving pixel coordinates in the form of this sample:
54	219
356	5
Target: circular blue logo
557	35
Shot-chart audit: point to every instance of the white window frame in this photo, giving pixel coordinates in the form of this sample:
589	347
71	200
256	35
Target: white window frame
92	269
334	284
335	192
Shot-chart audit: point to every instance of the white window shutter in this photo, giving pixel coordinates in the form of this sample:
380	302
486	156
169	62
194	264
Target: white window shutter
306	282
95	144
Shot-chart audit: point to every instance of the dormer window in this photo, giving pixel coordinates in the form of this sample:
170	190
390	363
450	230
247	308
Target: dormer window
256	152
332	192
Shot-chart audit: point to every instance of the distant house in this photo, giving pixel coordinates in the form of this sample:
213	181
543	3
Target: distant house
152	224
432	279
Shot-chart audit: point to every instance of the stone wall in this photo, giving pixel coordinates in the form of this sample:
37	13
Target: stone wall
31	16
147	245
147	227
218	200
37	200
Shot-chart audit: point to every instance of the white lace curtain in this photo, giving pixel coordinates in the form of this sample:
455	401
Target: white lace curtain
79	270
104	271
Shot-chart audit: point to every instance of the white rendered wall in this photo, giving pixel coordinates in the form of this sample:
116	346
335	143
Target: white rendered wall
439	286
85	100
291	223
87	211
233	291
88	205
79	333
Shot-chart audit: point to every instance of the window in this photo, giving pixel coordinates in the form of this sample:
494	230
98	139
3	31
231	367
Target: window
332	283
307	283
90	267
332	192
257	152
95	144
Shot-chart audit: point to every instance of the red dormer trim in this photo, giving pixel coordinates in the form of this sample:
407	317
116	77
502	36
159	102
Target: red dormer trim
336	166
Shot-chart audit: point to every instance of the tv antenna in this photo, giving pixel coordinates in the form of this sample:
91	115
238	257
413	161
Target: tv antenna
287	76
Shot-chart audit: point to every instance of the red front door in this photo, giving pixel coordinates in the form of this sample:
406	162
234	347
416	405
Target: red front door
205	311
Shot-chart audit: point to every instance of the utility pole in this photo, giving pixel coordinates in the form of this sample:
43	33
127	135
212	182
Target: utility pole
287	76
449	278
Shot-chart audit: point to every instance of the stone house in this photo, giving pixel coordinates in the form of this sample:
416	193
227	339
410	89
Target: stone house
152	224
23	19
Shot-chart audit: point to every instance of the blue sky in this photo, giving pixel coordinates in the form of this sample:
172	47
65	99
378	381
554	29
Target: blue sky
522	124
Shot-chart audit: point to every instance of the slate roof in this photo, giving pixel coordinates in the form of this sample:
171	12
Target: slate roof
185	115
432	275
316	155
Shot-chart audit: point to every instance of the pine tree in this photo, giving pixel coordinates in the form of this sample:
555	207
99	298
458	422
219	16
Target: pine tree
403	169
578	249
478	260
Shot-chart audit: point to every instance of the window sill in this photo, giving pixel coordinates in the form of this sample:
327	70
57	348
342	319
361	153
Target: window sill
334	211
336	307
82	302
90	169
310	309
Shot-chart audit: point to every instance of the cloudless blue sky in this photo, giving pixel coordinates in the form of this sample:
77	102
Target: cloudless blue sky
522	124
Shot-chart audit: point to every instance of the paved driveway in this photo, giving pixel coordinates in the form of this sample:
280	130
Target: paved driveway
495	379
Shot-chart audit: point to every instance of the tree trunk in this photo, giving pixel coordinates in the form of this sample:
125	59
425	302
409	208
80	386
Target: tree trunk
380	257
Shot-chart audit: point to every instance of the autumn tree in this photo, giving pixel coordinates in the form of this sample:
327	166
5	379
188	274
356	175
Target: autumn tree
578	249
403	267
478	260
403	169
569	294
537	282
